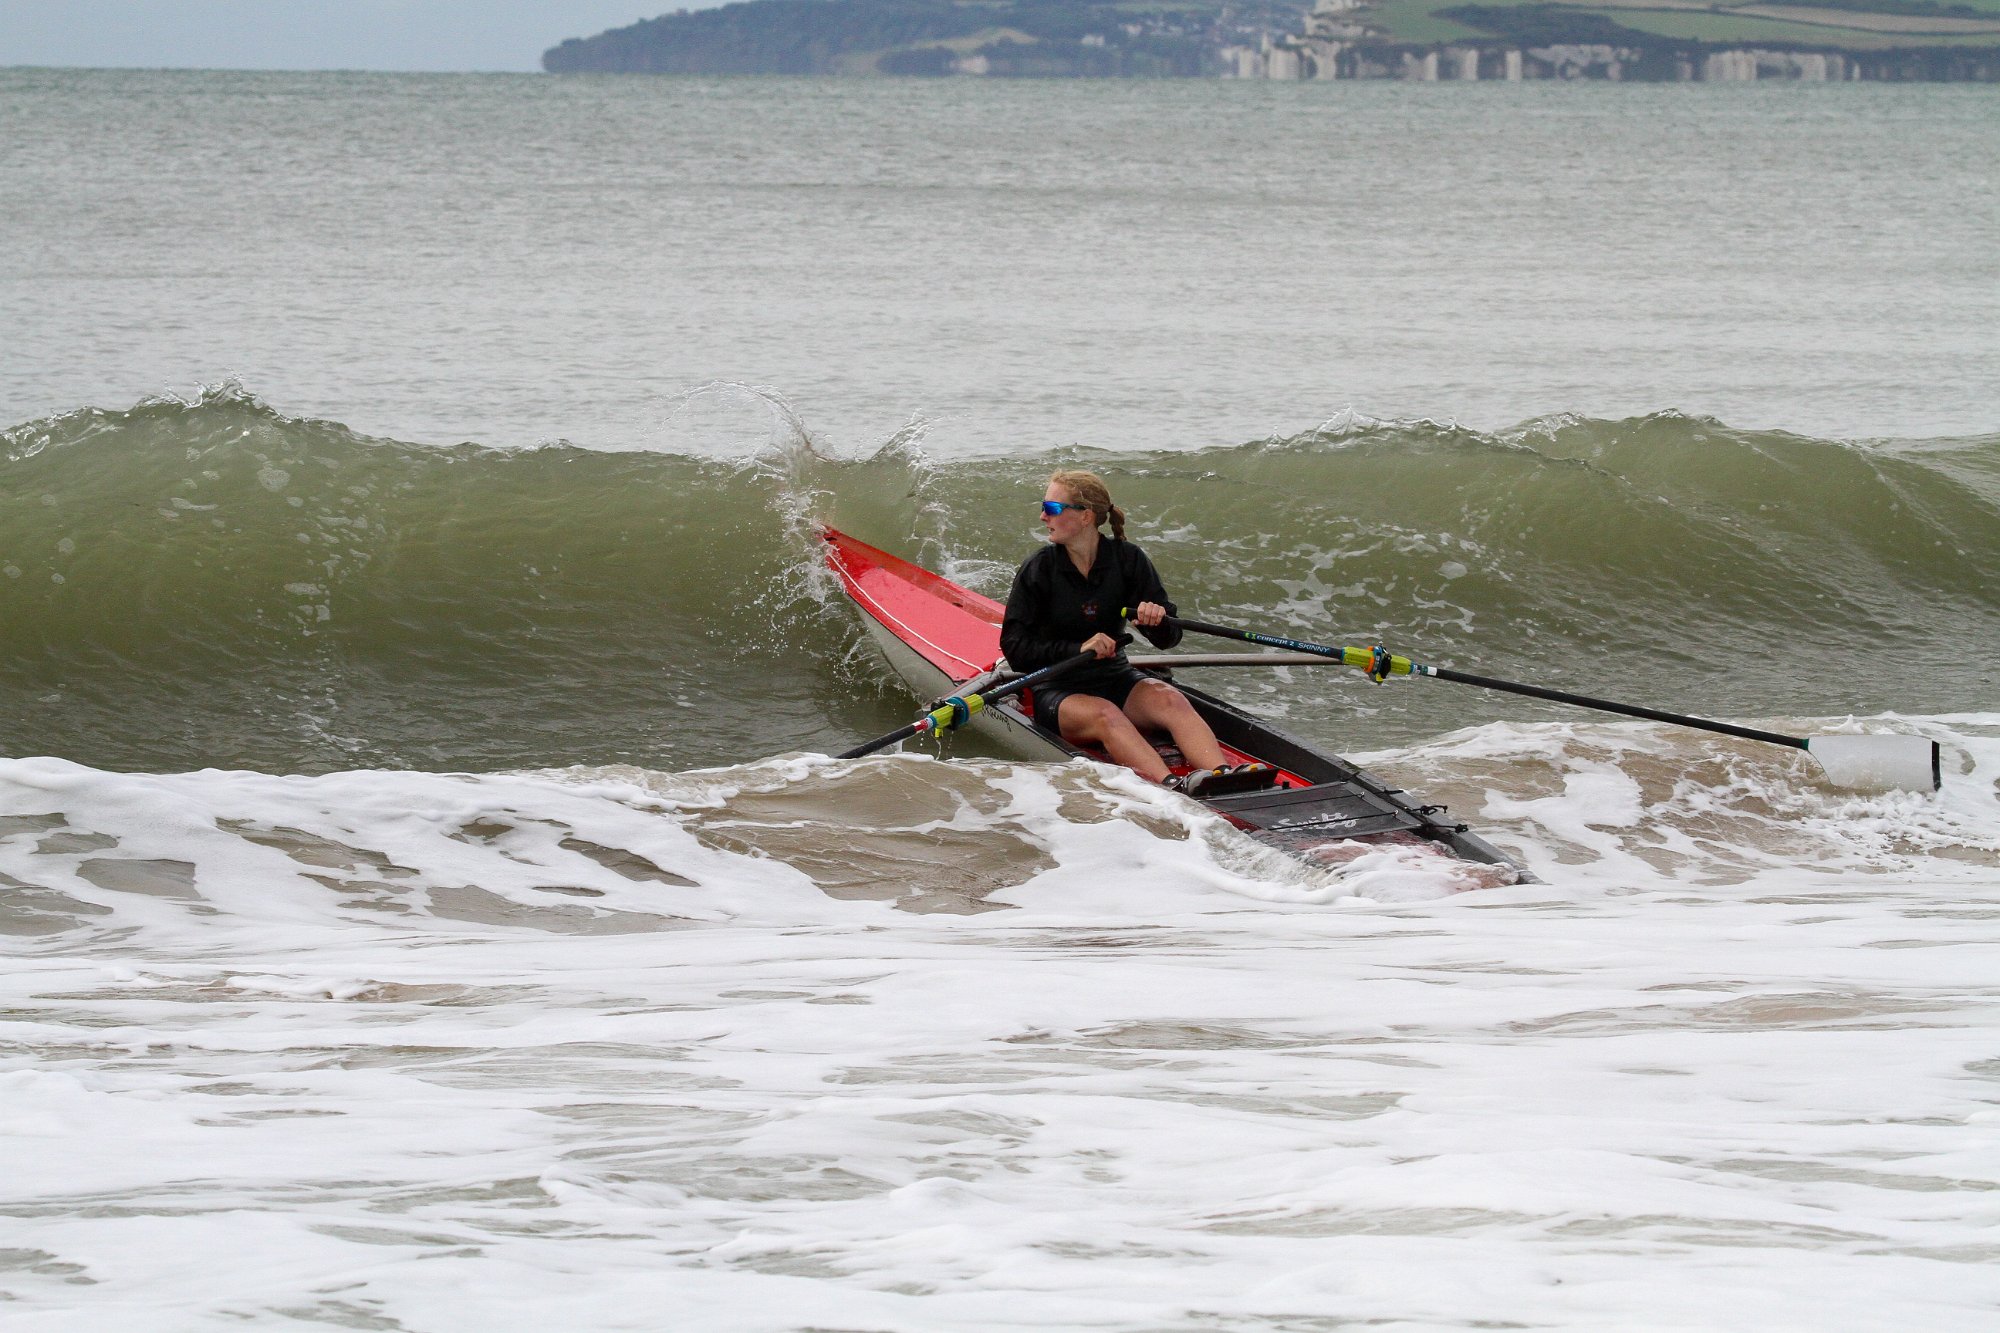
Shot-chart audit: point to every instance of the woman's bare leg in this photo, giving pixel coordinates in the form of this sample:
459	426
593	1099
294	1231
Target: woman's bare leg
1086	719
1159	705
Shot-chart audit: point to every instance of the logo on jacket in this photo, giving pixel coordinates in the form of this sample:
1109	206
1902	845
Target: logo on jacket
1090	610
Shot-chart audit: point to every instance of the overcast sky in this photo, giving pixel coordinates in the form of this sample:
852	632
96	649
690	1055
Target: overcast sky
308	34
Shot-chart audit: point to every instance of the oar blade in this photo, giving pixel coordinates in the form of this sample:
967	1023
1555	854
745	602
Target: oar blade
1878	763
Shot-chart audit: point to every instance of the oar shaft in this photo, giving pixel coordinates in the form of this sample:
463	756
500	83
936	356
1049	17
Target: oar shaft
1607	706
1354	657
946	716
1245	636
1171	661
1033	678
884	742
1362	657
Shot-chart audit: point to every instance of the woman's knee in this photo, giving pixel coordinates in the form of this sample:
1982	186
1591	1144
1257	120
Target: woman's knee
1158	703
1085	717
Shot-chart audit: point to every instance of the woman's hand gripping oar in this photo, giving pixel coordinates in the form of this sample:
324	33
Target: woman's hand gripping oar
1868	763
959	710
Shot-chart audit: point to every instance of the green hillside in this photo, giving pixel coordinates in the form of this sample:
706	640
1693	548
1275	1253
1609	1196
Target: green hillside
1050	38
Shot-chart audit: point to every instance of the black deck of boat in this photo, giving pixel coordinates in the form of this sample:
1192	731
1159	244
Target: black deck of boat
1341	802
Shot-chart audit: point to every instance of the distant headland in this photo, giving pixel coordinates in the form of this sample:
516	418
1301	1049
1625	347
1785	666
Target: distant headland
1423	40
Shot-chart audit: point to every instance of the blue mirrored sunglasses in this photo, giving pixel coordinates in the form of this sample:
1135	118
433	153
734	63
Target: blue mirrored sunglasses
1054	507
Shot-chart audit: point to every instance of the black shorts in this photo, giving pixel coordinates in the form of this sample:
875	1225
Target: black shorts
1113	681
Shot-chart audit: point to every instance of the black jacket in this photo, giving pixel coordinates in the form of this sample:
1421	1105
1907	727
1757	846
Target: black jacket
1052	609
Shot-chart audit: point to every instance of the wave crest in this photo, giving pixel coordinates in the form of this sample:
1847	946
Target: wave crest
209	581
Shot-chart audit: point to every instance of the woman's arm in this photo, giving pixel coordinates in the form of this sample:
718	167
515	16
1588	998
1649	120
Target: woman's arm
1143	585
1028	643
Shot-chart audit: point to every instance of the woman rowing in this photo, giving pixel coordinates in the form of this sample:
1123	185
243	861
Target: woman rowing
1069	598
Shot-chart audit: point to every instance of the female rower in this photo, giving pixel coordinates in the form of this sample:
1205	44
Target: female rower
1067	599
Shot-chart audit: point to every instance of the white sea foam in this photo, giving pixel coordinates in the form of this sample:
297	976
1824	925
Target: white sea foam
616	1049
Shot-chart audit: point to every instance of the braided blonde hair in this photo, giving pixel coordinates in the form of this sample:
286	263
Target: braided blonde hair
1091	493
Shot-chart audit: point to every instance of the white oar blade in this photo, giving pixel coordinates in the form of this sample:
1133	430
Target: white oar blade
1877	763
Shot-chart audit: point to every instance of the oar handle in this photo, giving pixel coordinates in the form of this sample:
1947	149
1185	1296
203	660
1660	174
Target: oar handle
959	710
1378	664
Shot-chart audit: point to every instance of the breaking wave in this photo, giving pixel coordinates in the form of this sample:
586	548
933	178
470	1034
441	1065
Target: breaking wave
213	583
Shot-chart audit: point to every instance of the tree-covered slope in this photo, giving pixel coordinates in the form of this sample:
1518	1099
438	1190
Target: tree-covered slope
1048	37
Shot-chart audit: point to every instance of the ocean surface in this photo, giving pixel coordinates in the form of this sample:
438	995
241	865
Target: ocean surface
426	900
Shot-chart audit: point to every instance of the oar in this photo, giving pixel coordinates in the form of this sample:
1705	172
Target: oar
1168	661
957	711
1873	763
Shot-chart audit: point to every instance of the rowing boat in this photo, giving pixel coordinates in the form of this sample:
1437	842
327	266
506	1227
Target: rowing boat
943	639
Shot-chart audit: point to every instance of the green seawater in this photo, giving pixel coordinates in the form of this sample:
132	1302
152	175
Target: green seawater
210	583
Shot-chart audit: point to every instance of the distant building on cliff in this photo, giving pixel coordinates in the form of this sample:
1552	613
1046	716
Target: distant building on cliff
1339	41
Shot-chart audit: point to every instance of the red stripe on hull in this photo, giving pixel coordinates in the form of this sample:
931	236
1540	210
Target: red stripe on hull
954	629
